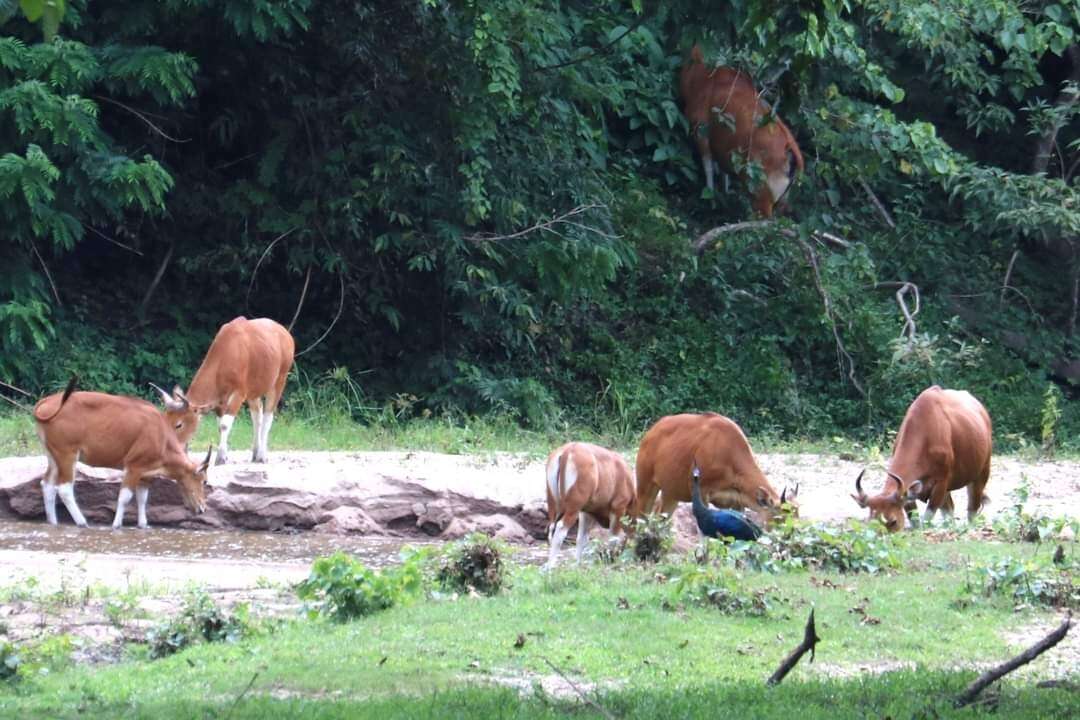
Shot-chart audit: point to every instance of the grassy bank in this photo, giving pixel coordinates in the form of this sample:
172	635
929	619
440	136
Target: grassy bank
630	635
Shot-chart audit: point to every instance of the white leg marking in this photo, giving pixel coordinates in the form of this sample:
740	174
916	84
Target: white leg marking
225	426
48	491
142	494
778	185
707	162
583	523
121	505
556	543
255	407
263	437
67	496
928	515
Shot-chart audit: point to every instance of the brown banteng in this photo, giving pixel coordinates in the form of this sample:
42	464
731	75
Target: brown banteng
116	432
585	483
730	476
248	361
727	116
944	444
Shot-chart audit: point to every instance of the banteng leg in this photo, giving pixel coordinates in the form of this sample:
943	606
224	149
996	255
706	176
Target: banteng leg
558	535
584	520
142	494
939	499
48	489
225	424
269	405
255	407
121	505
65	488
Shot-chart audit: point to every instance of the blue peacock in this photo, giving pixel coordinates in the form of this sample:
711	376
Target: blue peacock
720	523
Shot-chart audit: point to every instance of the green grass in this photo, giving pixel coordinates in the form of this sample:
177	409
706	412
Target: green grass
622	628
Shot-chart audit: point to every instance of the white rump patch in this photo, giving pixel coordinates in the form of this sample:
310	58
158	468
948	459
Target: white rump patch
778	185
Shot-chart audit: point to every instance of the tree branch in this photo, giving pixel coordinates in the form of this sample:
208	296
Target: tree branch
547	225
1044	148
878	204
341	306
141	312
995	673
909	317
580	693
300	303
602	50
142	116
808	644
704	239
1008	273
52	283
275	241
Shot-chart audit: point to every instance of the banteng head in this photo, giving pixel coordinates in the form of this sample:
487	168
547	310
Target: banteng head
192	481
182	416
772	511
890	505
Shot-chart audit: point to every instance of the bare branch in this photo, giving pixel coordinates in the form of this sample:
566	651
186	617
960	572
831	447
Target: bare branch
141	312
995	673
300	303
547	225
702	242
909	316
842	355
808	644
580	693
16	389
142	116
603	49
877	204
255	272
1008	273
114	241
341	307
52	283
16	403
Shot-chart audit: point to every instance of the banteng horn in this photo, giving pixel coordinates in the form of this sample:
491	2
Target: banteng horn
170	402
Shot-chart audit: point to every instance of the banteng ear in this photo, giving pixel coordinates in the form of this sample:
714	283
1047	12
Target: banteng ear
763	498
914	489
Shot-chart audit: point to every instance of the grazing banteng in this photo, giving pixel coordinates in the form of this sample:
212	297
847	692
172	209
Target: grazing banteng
116	432
585	483
944	444
727	116
249	360
730	476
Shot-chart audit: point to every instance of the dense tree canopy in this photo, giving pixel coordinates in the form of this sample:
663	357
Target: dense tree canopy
492	204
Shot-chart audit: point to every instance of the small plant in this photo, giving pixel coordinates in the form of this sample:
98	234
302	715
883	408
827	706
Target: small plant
9	661
343	588
652	538
724	589
1049	418
1024	583
1016	524
853	547
200	620
473	564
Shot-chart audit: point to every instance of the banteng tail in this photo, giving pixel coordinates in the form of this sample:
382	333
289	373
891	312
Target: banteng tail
63	399
557	486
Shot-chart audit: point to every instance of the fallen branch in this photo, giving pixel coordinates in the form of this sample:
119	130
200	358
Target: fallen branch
995	673
810	640
580	693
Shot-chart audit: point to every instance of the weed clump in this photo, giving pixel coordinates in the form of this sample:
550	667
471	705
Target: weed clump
9	661
474	564
652	539
1023	583
723	588
343	588
1016	524
200	620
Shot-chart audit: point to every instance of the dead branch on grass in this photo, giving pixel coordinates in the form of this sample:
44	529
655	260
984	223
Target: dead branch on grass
580	693
808	644
996	673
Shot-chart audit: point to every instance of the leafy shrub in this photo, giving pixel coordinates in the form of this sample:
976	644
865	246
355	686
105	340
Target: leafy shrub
9	661
1032	582
1016	524
652	538
851	548
475	563
343	588
200	620
723	588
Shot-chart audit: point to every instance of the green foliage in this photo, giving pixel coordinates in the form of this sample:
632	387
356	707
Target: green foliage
723	588
343	589
1017	524
474	564
854	547
652	538
1023	583
1051	416
9	661
200	620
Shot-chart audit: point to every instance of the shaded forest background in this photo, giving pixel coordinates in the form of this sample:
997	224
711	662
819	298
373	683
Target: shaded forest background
492	206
